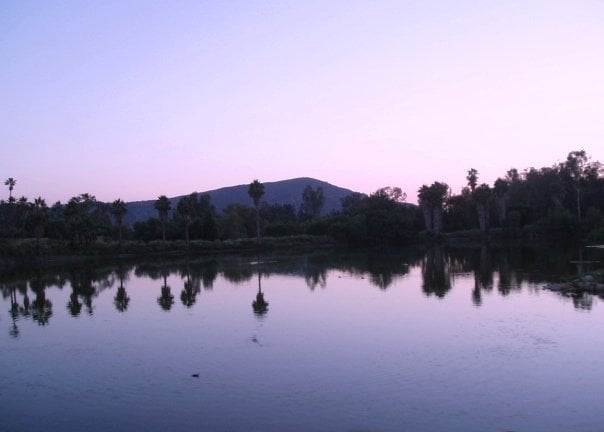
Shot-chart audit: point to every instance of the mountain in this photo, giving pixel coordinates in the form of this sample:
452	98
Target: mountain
280	192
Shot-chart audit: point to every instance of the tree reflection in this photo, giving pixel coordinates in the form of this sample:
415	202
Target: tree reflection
483	275
74	305
166	299
14	312
384	268
583	300
208	272
435	273
315	272
82	288
192	287
260	305
41	309
237	273
121	298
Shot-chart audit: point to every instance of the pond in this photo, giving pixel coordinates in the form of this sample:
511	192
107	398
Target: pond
399	340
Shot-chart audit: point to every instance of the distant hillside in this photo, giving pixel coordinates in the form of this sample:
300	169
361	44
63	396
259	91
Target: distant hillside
280	192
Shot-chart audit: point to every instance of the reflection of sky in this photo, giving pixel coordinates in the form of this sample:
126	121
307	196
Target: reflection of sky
349	356
398	93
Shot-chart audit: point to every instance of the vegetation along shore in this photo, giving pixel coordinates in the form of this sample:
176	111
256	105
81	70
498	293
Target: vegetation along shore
565	200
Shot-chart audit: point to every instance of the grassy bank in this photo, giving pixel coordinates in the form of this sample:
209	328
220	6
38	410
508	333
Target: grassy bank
14	252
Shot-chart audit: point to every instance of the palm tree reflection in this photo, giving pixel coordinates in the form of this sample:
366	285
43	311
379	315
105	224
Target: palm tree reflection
41	306
82	287
260	305
435	273
121	298
166	300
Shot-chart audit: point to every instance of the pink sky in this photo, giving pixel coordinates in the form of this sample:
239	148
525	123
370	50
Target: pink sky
132	100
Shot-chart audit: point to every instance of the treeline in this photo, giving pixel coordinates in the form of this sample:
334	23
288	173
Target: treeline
566	199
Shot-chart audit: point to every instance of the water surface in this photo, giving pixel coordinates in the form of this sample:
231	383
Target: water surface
436	340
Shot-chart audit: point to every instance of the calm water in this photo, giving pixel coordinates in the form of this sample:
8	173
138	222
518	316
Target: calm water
443	340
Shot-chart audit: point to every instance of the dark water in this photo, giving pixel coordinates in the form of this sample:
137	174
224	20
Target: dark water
437	340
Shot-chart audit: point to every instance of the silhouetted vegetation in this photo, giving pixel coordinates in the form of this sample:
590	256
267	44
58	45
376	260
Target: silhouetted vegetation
564	200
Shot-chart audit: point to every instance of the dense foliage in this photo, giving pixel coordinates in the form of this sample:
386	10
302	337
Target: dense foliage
566	199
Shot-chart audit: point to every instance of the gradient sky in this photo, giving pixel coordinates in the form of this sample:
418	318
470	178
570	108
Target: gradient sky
133	99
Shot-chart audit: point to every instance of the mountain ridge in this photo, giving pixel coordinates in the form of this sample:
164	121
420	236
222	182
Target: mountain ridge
277	192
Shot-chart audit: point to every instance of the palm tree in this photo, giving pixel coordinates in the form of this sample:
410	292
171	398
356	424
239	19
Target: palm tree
501	192
39	217
482	195
163	207
575	165
186	209
118	210
432	199
10	182
472	179
255	191
77	215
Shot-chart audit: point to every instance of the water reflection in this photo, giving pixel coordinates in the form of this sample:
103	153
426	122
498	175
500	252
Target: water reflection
166	299
436	274
121	298
260	305
504	270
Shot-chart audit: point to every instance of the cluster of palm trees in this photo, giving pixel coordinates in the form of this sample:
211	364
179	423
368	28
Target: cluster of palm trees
567	196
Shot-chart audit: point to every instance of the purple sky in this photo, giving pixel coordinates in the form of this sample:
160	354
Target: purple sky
133	99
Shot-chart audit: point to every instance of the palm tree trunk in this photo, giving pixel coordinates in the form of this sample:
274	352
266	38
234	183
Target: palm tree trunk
428	219
257	226
187	233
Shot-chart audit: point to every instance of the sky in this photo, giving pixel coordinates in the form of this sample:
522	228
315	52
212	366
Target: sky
134	99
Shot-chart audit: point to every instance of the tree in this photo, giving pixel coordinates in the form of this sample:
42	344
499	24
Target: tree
389	193
432	199
481	197
10	182
472	178
575	165
256	191
77	213
119	210
312	202
163	207
501	193
186	210
39	218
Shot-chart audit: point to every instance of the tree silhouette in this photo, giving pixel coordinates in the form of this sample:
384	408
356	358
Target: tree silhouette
39	218
482	195
186	210
119	210
78	216
256	191
10	182
472	178
431	200
312	202
163	207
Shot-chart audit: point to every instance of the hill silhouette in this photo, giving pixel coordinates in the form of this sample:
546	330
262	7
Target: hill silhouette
279	192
